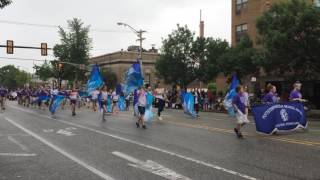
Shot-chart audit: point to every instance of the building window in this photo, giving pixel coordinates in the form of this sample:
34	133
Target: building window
241	30
240	4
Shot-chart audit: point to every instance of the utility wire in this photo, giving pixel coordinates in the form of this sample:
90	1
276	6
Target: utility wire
25	59
56	26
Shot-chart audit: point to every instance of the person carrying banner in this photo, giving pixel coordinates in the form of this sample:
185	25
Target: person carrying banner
295	94
142	102
241	108
74	95
271	96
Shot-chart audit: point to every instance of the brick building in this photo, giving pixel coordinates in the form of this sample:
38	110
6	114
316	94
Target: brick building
244	15
119	62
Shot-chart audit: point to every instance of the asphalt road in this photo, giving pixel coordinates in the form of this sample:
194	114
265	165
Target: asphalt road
36	146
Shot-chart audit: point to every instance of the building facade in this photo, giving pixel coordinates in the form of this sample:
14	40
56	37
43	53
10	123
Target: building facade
119	63
245	14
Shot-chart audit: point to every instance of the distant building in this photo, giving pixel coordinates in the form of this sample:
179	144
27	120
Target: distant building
119	62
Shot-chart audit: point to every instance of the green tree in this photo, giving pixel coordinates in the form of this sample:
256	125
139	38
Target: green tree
109	77
290	35
176	63
45	71
73	48
11	77
242	59
208	51
4	3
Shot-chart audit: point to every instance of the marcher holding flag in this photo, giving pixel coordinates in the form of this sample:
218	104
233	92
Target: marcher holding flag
241	108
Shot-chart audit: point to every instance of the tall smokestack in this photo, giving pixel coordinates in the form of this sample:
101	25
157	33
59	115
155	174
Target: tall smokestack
201	25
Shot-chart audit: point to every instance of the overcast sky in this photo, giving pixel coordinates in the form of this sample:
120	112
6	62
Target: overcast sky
157	17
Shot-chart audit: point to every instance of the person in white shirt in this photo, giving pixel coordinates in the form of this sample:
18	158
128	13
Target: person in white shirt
142	102
104	100
74	95
94	99
115	99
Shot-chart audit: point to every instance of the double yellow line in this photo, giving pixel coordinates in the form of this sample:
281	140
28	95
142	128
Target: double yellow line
228	131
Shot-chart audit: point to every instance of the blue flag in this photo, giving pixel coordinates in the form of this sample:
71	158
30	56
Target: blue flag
188	104
95	80
287	116
121	103
133	79
56	102
148	115
230	95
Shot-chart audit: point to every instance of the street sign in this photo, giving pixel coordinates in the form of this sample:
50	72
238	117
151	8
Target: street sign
10	47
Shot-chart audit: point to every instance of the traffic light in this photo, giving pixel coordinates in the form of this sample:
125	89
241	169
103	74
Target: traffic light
10	47
44	49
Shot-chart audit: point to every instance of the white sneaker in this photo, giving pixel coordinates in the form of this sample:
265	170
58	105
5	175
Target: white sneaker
160	118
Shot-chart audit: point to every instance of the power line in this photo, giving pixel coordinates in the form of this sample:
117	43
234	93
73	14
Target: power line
25	59
56	26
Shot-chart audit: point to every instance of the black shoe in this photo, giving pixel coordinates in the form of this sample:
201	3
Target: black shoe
73	114
144	127
137	125
236	131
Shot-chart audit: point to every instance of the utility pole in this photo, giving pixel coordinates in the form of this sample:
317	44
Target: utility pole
140	39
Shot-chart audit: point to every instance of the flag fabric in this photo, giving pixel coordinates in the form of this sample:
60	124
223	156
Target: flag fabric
148	115
230	95
56	102
95	80
121	103
133	79
279	117
119	89
83	94
188	104
135	102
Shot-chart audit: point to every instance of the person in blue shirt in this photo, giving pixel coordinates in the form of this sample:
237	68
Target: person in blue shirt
295	94
271	96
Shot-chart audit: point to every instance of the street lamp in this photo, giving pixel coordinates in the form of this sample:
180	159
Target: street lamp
140	38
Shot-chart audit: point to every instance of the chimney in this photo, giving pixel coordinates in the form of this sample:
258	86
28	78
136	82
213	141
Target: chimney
201	26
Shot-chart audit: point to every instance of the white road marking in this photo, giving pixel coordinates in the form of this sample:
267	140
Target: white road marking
147	146
48	130
152	167
17	154
61	151
23	147
64	132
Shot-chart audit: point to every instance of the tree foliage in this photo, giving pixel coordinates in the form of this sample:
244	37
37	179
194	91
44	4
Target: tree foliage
45	71
73	48
185	58
290	34
242	59
4	3
11	77
109	78
176	64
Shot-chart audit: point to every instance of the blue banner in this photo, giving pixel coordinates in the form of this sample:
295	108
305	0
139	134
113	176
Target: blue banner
188	104
95	80
285	116
56	102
